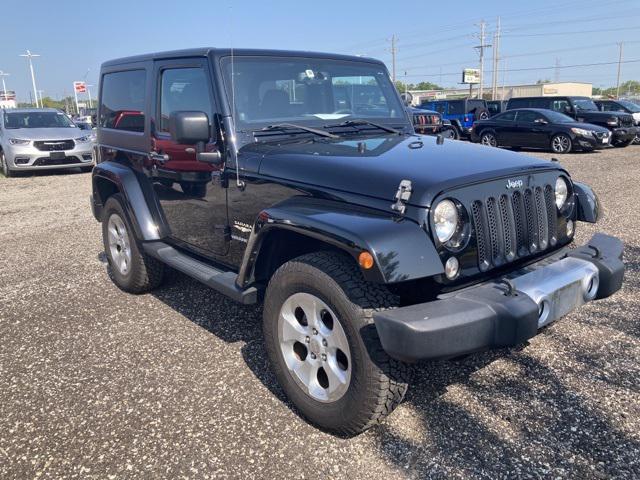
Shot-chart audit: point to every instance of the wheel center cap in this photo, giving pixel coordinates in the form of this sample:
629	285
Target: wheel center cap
314	346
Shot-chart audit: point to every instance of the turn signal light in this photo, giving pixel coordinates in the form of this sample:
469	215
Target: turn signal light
365	259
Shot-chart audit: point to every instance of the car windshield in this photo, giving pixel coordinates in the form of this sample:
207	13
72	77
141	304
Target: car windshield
36	120
632	107
585	104
556	117
308	91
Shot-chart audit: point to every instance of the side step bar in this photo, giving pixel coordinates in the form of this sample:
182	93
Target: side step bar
220	280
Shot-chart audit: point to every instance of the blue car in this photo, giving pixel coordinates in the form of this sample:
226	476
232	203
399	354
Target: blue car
461	113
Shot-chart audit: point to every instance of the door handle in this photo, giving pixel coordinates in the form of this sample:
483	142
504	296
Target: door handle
159	157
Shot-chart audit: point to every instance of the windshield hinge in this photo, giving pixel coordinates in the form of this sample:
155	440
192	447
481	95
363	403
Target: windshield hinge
402	196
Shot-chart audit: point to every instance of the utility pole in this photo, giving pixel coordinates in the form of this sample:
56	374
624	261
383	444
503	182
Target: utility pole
30	55
393	57
480	49
620	45
496	58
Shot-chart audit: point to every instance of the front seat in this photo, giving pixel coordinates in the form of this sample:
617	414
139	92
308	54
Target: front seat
275	103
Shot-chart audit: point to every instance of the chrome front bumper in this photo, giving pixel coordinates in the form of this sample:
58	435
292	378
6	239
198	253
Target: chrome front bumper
30	158
505	311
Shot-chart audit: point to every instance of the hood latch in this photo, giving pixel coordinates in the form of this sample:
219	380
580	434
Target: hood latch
402	196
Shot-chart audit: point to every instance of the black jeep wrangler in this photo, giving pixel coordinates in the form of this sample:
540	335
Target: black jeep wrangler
275	177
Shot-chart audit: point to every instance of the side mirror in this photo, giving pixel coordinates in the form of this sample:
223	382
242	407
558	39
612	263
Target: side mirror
189	128
192	128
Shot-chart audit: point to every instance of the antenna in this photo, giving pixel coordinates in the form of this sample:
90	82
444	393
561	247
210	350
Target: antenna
239	183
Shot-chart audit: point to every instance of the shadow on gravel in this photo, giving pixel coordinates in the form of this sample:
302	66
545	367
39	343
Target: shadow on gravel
226	319
554	432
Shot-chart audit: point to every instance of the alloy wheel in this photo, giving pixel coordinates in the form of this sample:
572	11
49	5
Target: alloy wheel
119	244
560	143
489	139
314	347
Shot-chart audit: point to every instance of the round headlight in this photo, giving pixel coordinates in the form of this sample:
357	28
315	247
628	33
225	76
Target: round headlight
445	219
562	190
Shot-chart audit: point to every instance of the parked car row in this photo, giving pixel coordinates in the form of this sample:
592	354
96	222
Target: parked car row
559	123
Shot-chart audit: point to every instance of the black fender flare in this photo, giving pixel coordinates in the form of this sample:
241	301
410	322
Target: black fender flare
587	201
401	249
141	205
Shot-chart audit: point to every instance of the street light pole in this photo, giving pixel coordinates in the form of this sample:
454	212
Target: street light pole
89	93
4	87
30	55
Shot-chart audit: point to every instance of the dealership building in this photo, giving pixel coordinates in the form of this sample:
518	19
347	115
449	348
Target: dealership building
508	91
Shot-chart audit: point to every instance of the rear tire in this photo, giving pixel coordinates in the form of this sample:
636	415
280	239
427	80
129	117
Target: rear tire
130	269
198	190
561	143
374	383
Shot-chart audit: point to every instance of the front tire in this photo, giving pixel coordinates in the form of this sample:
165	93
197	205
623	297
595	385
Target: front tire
129	268
450	133
6	171
625	143
561	143
489	139
323	345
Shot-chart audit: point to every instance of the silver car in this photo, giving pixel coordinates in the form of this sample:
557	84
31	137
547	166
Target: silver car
42	139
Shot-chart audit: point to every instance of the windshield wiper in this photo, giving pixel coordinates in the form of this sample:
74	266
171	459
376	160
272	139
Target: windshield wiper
292	126
355	123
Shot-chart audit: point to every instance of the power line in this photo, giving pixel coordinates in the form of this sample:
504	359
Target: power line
533	68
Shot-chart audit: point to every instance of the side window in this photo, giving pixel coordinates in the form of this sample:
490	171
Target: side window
560	105
527	116
508	116
122	102
183	89
441	108
518	103
456	108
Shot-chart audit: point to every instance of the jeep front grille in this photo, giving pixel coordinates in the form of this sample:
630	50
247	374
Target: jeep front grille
514	225
626	121
54	145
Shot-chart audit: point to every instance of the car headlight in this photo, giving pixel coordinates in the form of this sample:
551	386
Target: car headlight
445	220
19	141
85	139
582	131
562	191
613	121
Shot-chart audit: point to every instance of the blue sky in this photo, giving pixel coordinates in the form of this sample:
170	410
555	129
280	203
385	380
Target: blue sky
434	43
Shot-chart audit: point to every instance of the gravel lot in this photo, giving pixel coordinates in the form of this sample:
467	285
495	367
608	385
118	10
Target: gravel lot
96	383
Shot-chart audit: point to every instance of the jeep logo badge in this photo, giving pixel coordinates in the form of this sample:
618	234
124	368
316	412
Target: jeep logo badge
514	183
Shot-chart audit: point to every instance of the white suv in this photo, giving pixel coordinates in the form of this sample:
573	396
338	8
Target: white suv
44	138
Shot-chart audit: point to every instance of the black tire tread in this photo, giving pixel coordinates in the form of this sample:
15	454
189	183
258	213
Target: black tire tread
391	377
148	272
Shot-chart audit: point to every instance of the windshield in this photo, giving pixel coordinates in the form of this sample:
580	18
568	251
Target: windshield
584	104
36	120
632	107
271	90
556	117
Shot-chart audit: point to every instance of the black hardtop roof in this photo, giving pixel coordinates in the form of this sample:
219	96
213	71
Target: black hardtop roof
550	97
222	52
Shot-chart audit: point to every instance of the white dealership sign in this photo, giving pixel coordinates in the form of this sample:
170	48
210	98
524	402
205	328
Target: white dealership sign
471	75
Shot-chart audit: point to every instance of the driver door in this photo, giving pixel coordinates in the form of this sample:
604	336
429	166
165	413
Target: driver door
190	192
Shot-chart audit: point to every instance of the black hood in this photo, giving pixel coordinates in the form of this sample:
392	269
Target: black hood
598	115
374	166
